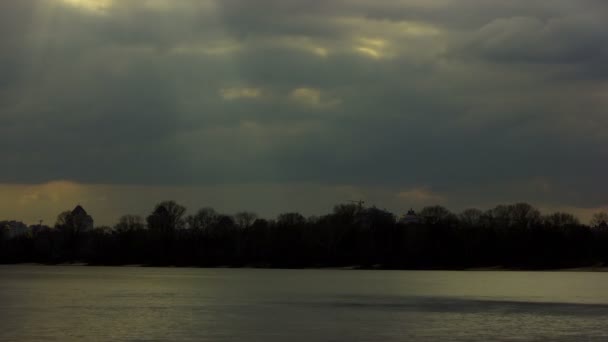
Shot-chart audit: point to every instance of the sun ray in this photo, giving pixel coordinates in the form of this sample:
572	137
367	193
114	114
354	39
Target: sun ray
98	6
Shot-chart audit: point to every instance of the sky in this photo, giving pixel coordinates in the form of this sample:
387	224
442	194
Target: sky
296	105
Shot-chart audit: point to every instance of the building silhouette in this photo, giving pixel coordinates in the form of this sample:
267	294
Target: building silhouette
80	220
410	218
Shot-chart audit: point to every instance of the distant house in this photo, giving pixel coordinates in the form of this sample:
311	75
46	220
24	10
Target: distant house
12	229
410	218
80	220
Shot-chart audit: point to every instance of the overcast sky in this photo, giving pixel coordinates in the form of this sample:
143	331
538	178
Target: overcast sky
285	105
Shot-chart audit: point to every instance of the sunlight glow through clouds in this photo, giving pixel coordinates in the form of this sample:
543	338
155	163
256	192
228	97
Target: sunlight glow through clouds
377	43
420	195
269	85
231	94
319	51
53	192
306	44
221	48
369	52
32	202
90	5
312	97
107	202
374	48
380	39
307	95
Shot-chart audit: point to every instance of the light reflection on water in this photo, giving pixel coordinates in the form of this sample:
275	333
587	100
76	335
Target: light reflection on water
152	304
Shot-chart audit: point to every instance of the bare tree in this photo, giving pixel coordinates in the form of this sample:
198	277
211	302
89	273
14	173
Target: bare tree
62	219
203	219
524	215
129	223
471	217
599	220
561	219
245	219
437	215
167	217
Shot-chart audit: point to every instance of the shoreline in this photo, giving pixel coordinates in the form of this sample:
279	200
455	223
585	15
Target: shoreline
593	269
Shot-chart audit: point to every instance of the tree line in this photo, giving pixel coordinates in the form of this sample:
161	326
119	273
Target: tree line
511	236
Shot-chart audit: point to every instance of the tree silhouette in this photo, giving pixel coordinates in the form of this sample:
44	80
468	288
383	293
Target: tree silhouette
435	215
129	223
163	223
471	217
245	219
511	235
62	219
523	215
561	220
204	219
166	217
599	220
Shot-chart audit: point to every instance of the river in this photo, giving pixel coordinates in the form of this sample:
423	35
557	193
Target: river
73	303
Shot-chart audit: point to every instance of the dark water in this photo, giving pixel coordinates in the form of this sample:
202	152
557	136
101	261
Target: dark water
152	304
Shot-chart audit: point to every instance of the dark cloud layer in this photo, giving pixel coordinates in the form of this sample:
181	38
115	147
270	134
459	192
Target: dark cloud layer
467	98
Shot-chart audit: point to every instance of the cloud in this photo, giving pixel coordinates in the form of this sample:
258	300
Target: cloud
477	101
420	196
312	97
237	93
575	39
98	6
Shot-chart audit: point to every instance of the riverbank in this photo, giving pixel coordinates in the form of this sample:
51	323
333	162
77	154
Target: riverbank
595	268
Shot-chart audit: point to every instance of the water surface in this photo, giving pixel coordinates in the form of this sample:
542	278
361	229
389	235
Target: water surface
43	303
